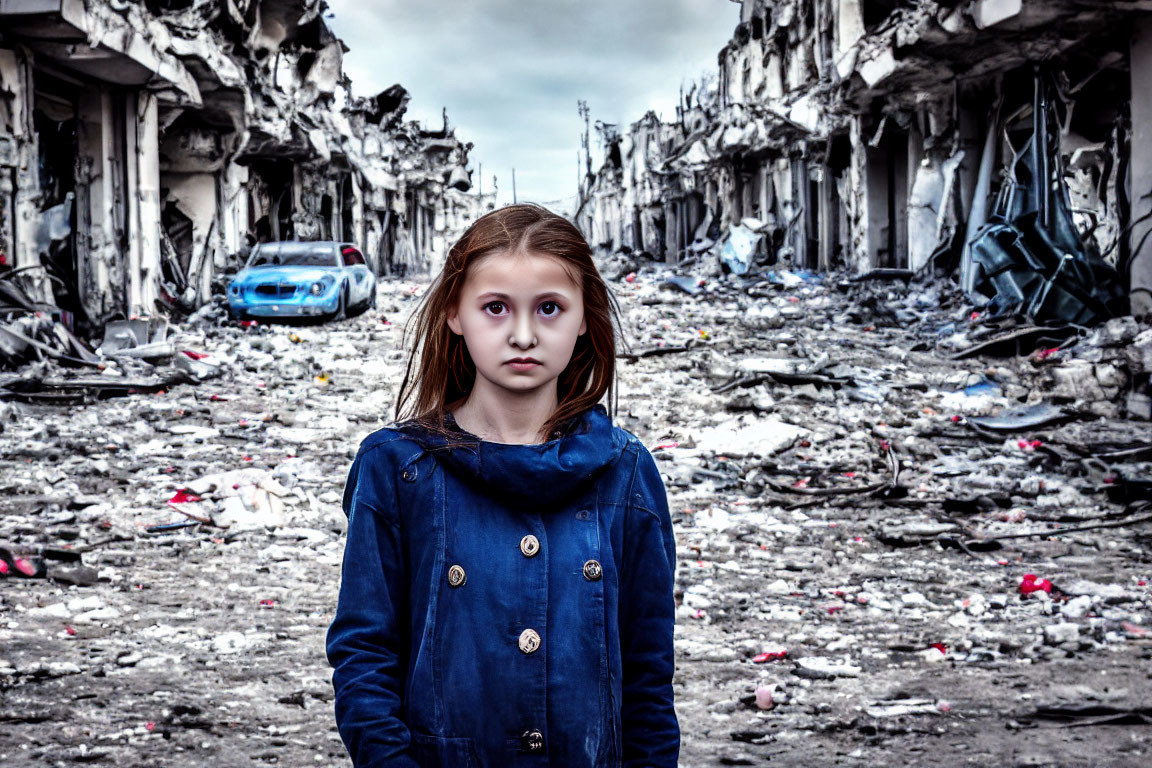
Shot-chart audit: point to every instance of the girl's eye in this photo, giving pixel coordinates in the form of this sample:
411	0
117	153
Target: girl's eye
499	305
550	308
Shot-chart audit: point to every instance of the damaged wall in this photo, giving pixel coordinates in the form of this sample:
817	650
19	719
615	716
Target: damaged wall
870	134
146	146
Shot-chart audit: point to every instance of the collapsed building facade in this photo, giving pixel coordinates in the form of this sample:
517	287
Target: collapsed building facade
1005	140
146	145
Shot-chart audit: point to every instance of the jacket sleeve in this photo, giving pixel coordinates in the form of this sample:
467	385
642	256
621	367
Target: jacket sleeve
651	733
367	640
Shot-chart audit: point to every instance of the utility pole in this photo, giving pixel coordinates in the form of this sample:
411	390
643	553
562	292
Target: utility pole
582	108
480	179
513	186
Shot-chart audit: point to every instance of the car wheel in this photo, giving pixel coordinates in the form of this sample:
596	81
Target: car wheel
342	306
372	297
235	315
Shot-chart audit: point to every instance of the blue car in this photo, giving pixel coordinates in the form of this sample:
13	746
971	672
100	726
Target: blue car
322	279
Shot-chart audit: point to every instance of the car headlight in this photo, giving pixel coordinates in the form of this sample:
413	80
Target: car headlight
235	289
317	289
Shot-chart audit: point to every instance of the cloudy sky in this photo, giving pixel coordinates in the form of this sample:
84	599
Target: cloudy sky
510	72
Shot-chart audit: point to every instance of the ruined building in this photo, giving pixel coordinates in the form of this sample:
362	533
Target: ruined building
1006	141
145	145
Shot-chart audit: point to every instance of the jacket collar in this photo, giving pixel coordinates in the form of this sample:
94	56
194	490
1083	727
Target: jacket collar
532	474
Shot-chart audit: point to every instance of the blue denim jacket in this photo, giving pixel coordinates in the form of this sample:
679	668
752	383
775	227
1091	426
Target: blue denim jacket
506	605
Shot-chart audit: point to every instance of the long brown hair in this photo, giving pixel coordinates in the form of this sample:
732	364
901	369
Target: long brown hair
445	372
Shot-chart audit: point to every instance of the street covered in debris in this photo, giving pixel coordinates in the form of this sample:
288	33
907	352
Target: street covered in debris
854	539
884	279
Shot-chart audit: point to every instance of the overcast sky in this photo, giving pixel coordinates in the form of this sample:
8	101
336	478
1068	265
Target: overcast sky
511	71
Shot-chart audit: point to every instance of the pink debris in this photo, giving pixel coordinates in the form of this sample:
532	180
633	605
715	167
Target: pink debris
195	355
630	277
764	698
944	706
769	656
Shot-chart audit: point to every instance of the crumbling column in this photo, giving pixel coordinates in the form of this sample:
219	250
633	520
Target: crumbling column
1140	191
144	262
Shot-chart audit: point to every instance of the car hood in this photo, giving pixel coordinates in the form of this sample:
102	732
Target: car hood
256	275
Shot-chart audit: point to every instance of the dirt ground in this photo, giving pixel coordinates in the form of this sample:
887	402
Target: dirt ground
832	502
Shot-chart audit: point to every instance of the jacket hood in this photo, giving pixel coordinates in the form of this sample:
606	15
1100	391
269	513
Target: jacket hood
526	474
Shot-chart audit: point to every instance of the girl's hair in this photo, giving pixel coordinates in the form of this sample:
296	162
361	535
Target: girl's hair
445	371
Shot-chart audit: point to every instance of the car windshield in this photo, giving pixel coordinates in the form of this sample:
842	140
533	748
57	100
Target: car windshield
294	255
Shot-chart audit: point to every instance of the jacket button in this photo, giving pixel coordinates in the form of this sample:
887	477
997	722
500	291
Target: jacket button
592	570
532	741
529	545
529	641
456	576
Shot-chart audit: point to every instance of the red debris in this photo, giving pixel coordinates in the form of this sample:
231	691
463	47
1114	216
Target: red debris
247	323
1031	584
69	630
955	419
267	603
25	567
195	355
1029	445
1044	354
3	568
769	656
183	496
630	277
833	609
940	647
150	725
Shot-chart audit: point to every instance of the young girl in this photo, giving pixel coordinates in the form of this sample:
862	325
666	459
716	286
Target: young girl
507	591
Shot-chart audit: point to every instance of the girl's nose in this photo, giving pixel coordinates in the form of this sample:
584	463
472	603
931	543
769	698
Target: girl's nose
523	332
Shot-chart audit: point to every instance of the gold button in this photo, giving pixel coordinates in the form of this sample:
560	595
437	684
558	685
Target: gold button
529	641
456	576
529	545
533	740
592	570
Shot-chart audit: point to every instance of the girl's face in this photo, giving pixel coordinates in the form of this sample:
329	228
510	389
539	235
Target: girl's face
519	306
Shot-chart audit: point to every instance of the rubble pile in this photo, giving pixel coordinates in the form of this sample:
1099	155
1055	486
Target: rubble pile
884	551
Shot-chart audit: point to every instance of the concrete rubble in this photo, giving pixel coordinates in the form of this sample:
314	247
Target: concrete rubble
887	558
146	145
998	140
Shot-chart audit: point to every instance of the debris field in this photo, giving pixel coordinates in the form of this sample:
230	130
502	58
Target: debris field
904	535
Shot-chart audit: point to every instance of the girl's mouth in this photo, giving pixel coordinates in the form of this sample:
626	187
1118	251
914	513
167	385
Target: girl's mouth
523	363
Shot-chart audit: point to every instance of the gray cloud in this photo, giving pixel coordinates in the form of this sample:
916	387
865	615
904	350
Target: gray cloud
511	71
